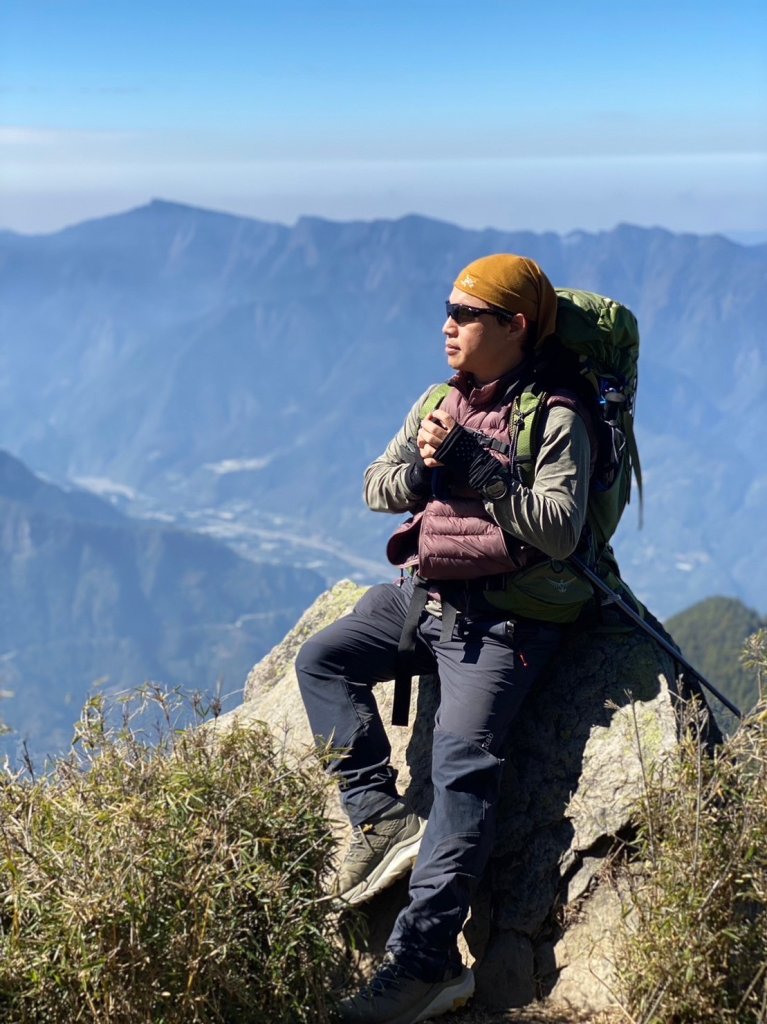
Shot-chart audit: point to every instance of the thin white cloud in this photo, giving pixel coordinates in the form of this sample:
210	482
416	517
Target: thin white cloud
20	136
227	466
26	136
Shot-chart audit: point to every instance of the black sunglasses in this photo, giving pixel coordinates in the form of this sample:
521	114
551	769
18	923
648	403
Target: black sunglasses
468	314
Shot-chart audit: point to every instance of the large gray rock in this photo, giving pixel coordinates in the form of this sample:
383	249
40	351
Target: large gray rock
547	915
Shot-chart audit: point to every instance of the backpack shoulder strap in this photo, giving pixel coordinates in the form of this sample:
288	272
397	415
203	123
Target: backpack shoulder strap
525	418
434	399
529	415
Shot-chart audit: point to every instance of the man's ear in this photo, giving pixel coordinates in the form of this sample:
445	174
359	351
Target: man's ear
519	327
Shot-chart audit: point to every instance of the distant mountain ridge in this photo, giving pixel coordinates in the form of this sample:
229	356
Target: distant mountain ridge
218	364
711	635
88	594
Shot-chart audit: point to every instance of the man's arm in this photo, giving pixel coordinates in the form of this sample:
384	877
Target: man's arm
550	515
387	487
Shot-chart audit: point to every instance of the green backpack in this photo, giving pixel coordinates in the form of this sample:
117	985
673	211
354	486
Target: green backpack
604	337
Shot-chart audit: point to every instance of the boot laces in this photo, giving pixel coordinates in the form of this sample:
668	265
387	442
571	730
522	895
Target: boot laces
389	975
360	844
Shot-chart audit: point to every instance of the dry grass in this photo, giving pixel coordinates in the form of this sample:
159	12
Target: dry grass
697	953
157	876
153	876
531	1015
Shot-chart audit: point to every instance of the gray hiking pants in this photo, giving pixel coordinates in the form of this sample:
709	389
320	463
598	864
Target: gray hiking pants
486	668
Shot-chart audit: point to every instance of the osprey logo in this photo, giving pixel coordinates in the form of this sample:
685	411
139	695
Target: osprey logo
468	281
561	586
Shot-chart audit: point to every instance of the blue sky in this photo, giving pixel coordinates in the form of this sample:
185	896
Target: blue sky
547	116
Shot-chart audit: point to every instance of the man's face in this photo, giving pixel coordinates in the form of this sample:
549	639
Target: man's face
486	347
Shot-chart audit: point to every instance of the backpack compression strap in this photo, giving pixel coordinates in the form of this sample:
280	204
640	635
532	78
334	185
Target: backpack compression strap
631	442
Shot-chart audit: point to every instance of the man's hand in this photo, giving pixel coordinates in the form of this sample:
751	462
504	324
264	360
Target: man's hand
432	433
467	460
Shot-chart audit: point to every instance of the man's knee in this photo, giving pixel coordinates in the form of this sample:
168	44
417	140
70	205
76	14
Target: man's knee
464	767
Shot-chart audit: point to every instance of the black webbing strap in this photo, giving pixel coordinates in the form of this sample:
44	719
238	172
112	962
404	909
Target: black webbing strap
405	652
449	617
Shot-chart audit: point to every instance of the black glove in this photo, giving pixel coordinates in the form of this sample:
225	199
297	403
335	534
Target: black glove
467	460
418	478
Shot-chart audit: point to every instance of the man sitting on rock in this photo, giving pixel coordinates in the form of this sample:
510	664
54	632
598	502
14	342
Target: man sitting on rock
476	528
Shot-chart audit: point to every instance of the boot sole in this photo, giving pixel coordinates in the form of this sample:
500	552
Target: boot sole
447	999
439	998
397	862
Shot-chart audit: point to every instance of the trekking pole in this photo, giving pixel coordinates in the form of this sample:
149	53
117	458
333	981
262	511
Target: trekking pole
616	599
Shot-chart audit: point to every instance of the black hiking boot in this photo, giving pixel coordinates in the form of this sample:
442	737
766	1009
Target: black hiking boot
395	996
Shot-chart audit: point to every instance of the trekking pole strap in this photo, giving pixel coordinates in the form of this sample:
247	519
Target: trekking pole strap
635	617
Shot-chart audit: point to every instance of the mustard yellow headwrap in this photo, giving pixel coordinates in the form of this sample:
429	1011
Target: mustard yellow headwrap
513	283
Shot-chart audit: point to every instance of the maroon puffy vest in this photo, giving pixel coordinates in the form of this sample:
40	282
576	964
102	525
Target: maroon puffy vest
454	538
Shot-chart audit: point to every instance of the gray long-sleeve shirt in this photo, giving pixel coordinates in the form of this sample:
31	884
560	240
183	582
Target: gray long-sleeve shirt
549	515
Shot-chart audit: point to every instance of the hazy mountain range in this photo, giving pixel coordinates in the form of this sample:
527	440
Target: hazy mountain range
89	596
237	376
